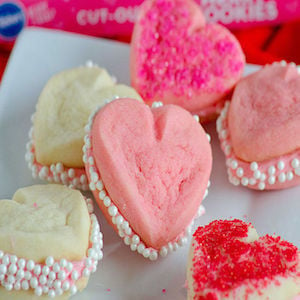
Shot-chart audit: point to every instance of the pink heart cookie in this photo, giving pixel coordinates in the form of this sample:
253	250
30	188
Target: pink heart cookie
228	260
148	170
177	58
259	130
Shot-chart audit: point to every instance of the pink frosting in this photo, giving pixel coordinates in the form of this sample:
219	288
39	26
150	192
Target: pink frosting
177	58
263	118
155	165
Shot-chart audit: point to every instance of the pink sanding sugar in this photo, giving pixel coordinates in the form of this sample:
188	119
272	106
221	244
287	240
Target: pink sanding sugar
178	58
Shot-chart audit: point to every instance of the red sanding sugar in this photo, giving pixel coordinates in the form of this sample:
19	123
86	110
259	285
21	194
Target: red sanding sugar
223	260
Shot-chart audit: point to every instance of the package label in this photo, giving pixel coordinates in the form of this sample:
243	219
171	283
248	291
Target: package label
109	18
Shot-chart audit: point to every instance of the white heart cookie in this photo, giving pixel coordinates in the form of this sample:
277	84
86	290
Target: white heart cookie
62	111
45	233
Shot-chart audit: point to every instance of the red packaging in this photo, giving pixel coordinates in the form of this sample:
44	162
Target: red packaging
109	18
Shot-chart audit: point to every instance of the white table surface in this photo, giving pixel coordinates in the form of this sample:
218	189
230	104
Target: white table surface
122	274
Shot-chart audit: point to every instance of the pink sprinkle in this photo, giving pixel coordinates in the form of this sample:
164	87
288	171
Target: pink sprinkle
236	66
108	290
34	205
224	47
163	290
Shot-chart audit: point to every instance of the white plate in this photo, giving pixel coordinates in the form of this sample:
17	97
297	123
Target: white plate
122	274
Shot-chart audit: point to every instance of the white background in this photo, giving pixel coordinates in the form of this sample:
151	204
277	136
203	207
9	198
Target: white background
122	274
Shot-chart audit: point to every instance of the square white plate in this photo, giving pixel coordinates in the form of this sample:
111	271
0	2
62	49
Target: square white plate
38	54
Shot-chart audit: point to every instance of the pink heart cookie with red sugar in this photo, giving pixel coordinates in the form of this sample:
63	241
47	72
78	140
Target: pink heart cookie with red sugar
229	261
177	58
260	129
148	170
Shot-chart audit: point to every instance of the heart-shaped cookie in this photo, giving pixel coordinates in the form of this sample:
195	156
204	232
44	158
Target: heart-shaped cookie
55	150
259	130
149	170
177	58
49	243
229	261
